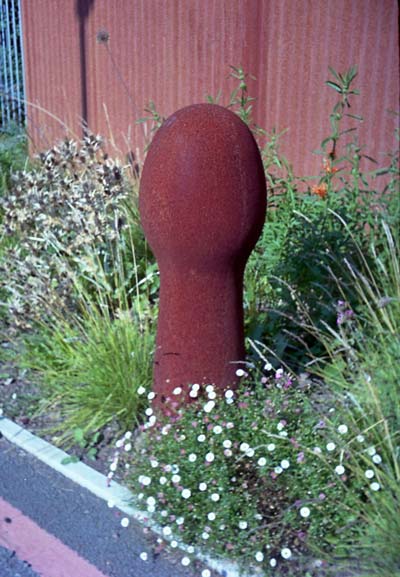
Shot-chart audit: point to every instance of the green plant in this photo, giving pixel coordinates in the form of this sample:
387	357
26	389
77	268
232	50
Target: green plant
361	368
13	154
91	363
287	279
90	369
66	217
88	446
261	474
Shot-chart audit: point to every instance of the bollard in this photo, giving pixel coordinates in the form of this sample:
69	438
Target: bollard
202	203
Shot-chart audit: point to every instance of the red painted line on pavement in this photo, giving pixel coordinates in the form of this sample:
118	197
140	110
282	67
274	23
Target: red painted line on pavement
47	555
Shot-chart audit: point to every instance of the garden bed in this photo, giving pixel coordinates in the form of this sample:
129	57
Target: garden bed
302	460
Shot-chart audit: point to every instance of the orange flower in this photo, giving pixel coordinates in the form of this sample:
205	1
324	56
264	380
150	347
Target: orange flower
320	189
329	169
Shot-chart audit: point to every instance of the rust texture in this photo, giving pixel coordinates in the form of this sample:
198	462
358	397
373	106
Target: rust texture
103	61
202	203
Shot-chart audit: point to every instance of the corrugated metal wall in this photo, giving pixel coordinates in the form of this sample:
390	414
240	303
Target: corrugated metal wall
175	52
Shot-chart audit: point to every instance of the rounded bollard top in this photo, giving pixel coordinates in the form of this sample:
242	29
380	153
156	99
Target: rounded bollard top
203	193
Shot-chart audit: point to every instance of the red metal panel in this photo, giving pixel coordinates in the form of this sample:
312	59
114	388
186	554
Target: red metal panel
175	52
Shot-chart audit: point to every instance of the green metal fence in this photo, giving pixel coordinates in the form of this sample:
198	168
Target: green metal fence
12	93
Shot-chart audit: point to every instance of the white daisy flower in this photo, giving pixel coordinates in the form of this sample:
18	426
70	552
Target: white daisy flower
343	429
339	470
286	553
208	407
259	556
377	459
369	473
375	486
186	493
144	556
125	522
144	480
210	457
330	447
305	512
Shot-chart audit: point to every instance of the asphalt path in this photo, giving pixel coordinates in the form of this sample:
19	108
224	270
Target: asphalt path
11	566
79	520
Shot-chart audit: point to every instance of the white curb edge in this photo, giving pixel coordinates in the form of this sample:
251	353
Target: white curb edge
96	483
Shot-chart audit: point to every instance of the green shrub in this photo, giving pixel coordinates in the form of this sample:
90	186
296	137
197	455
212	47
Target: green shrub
89	369
264	475
288	278
67	217
13	155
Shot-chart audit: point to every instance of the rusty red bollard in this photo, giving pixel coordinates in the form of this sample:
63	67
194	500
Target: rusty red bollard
202	204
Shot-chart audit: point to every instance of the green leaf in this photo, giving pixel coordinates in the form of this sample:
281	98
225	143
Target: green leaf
370	158
69	460
334	73
79	437
347	131
334	86
355	116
